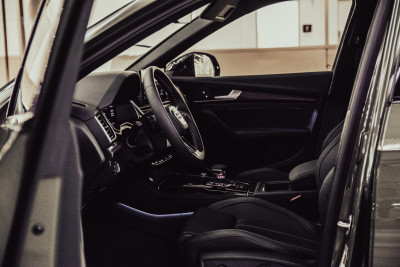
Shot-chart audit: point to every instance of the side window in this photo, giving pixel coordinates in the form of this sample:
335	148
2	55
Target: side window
287	37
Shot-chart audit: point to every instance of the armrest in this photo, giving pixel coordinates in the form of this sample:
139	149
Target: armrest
303	176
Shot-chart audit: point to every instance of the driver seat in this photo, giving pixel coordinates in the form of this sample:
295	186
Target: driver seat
251	225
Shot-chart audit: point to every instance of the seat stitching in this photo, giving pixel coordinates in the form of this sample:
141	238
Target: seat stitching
266	229
334	142
289	213
335	131
202	238
250	239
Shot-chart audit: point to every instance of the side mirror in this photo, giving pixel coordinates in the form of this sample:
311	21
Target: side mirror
194	64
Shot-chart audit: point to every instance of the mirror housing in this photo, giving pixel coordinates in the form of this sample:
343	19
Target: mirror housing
195	64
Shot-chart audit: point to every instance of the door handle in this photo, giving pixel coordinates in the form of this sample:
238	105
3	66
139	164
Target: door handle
233	95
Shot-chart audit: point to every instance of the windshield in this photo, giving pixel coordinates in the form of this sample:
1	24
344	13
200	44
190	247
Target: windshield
103	8
41	45
131	55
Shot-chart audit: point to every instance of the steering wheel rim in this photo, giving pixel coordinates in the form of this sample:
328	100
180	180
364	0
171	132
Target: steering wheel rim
175	119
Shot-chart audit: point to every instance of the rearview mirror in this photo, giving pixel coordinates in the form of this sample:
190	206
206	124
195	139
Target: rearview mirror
194	64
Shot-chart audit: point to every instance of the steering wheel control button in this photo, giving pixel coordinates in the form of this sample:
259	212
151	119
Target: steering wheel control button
178	115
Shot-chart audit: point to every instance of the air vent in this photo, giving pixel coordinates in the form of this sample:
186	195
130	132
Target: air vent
106	127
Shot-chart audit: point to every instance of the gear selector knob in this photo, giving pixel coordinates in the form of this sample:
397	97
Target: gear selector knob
219	171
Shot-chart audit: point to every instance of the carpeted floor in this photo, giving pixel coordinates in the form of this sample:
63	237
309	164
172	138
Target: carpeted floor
104	247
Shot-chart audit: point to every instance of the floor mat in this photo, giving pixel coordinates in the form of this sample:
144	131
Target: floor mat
127	247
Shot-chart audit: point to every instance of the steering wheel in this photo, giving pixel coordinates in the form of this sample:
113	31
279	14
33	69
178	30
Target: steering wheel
174	119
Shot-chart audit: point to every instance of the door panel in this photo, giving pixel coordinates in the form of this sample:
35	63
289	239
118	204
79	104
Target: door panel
39	164
256	121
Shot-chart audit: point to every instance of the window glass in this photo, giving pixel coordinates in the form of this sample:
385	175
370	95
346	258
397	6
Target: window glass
286	34
286	37
127	57
103	8
39	53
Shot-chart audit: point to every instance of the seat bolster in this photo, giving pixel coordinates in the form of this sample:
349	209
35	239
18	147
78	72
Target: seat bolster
262	175
269	214
332	135
237	239
303	175
326	161
204	220
304	238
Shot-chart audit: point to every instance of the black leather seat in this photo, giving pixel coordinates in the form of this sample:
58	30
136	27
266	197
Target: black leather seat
254	225
269	174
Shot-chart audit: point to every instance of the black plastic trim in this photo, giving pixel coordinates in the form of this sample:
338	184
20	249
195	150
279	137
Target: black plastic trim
151	216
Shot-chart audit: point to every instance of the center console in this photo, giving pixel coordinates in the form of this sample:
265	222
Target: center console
287	194
205	184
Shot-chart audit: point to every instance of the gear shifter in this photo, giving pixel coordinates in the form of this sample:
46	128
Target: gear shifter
219	171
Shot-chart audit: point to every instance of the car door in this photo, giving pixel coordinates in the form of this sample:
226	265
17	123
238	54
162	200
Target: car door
273	121
267	107
40	177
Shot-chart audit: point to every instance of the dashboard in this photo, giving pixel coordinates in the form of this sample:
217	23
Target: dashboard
106	110
113	99
118	112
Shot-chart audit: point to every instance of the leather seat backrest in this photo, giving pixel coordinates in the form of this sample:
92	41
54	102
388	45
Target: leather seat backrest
324	171
331	135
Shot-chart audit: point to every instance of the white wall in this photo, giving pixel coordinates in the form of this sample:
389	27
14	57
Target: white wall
343	13
239	34
102	8
278	25
270	22
12	20
281	25
312	12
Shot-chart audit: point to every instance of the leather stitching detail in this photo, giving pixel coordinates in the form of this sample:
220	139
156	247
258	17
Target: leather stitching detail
322	158
219	234
279	232
332	135
267	205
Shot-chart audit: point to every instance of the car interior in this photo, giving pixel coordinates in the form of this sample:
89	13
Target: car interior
182	170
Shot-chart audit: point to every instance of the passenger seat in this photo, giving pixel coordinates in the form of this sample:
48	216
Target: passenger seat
301	176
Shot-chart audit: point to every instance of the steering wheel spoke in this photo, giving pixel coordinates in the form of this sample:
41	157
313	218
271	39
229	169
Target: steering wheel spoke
175	119
191	147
